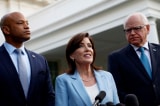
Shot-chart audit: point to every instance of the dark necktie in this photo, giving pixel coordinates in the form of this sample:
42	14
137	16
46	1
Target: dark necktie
22	71
145	61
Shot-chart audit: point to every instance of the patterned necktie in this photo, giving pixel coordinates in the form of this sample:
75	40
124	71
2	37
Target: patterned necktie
145	61
22	71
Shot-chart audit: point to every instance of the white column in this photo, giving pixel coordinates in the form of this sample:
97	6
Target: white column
1	38
153	35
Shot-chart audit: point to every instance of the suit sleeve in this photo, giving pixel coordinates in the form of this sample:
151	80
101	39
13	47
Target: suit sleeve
61	92
50	91
115	94
115	69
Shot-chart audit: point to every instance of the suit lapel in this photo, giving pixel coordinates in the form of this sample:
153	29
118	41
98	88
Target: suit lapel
79	87
154	52
100	81
32	60
10	69
7	62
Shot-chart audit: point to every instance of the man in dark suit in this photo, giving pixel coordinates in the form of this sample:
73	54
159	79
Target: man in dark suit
128	71
39	90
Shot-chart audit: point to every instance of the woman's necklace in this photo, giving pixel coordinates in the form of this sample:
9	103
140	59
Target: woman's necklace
90	79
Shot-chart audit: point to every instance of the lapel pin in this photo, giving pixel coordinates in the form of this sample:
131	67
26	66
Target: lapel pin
33	56
154	50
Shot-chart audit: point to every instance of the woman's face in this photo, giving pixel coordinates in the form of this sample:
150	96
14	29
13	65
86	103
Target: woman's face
83	54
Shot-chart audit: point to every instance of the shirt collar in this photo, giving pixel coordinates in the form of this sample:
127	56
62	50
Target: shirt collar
145	46
10	48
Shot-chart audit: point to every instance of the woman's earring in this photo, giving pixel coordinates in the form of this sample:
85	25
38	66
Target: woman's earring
72	59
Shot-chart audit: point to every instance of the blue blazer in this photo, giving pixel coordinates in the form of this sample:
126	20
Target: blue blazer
40	90
70	90
131	76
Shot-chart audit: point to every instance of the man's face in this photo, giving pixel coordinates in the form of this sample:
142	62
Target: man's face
18	28
136	31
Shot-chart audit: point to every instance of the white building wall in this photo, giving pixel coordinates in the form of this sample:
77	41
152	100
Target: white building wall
27	8
55	24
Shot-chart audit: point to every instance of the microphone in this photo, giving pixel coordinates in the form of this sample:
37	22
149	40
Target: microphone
102	105
110	104
99	98
120	104
131	100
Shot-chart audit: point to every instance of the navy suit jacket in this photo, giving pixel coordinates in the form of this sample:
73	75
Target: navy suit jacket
11	92
70	90
131	76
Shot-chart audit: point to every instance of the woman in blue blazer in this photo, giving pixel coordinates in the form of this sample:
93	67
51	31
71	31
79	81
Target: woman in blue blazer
83	80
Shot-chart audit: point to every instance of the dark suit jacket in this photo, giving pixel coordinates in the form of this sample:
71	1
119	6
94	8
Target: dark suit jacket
40	91
131	77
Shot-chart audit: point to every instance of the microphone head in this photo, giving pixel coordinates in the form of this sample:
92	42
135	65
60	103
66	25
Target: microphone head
110	104
131	100
100	96
120	104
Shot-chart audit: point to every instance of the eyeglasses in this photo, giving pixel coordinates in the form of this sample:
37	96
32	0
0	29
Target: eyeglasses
135	29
